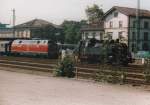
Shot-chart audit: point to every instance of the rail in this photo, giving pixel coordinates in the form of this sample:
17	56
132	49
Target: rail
86	71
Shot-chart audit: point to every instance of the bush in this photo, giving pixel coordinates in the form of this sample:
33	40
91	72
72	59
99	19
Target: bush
147	71
66	68
115	74
101	77
147	76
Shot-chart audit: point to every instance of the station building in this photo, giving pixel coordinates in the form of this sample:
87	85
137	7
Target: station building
6	33
37	28
120	23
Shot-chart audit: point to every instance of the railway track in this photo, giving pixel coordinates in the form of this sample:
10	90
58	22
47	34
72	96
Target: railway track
28	66
27	59
134	73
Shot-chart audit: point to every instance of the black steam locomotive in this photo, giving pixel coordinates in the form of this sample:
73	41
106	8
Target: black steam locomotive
112	52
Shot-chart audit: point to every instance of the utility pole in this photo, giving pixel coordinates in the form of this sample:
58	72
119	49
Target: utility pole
14	21
14	17
137	24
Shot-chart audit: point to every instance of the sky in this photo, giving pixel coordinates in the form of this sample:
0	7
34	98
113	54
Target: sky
56	11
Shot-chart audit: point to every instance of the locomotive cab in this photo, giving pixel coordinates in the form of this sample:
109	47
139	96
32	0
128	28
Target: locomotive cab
5	47
53	50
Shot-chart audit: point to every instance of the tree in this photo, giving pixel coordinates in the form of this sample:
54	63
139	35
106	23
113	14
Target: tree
94	13
49	32
72	30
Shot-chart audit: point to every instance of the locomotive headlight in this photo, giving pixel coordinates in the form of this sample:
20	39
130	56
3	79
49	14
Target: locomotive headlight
110	56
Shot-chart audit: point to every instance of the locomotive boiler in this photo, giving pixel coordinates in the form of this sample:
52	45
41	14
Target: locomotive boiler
95	51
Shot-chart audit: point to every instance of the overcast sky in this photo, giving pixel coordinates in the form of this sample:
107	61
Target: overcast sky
56	11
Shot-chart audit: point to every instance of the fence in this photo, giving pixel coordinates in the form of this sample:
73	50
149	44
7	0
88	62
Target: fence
114	74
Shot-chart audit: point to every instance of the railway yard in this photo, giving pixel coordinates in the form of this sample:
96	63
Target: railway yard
134	73
44	89
99	58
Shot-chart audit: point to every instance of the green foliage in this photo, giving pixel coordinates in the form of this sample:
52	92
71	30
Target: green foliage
72	31
66	68
94	13
147	76
115	77
100	77
110	74
147	71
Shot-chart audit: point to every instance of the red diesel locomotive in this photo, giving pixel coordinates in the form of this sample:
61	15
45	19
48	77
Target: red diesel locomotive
45	48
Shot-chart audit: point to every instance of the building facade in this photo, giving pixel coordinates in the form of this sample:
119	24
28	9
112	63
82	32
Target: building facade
94	30
38	28
116	26
120	23
142	42
6	33
22	33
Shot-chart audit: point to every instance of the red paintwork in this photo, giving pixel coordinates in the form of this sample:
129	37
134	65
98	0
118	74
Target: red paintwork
32	48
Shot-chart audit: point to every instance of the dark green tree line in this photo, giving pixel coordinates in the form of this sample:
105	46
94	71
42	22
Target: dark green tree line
72	30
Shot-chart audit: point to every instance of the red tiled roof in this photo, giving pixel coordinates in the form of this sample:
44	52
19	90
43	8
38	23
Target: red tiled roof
36	23
129	11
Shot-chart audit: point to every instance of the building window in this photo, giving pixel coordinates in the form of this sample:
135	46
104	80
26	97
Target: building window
101	36
109	35
26	35
93	34
86	35
146	24
134	24
120	35
145	47
115	14
133	36
145	36
2	45
111	24
21	34
133	47
120	24
17	33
